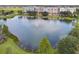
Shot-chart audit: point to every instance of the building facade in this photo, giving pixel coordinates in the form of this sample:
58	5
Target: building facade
52	10
71	9
38	9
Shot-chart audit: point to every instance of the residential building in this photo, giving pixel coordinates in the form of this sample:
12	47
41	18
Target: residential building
71	9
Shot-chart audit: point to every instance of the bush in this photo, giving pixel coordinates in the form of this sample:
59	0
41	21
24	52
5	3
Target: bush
68	45
45	47
8	34
75	31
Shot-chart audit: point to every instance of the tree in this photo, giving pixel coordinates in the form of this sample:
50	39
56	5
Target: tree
77	11
20	12
65	14
45	46
32	13
2	12
10	12
75	31
44	13
68	45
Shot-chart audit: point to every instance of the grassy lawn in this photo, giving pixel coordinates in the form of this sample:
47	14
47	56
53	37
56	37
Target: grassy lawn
9	47
11	9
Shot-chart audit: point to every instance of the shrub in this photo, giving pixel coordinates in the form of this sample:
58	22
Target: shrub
68	45
45	47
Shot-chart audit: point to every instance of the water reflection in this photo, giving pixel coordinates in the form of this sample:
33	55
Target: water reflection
31	17
45	18
66	21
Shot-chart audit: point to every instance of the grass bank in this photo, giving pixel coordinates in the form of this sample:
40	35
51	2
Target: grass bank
11	45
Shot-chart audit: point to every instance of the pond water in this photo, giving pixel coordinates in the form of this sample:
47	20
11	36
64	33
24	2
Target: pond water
31	31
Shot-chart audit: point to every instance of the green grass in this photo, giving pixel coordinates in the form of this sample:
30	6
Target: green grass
7	16
53	51
66	18
59	17
77	17
9	47
53	17
11	9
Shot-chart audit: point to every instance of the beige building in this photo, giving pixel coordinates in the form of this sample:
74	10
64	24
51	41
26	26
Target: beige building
71	9
50	10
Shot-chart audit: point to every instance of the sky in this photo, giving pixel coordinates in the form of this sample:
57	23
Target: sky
39	2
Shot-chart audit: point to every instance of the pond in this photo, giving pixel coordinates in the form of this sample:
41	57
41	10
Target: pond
31	31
